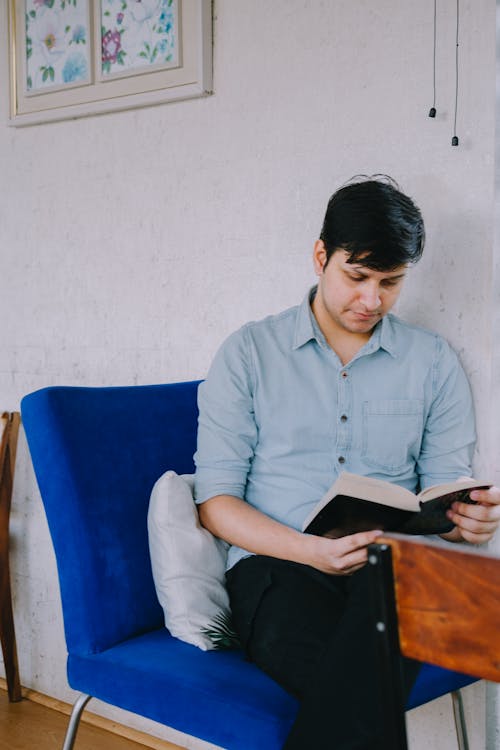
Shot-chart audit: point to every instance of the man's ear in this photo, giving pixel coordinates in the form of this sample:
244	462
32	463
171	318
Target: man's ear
319	257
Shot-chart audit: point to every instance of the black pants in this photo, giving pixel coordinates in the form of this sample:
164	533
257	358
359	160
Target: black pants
314	635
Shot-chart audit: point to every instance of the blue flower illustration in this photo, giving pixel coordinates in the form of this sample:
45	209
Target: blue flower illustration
75	68
165	22
78	34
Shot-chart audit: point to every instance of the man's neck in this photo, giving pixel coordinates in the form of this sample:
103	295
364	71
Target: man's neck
345	344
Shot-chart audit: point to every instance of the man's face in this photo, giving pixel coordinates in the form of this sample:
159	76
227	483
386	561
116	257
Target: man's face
351	297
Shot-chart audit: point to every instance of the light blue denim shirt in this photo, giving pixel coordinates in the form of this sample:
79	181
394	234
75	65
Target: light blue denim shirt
281	417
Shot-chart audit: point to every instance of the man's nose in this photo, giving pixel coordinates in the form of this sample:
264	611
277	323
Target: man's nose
371	296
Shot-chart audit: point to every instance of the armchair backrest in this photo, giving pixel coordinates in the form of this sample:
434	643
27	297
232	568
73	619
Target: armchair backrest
97	453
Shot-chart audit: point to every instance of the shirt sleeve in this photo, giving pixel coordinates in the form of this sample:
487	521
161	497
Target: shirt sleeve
449	432
227	432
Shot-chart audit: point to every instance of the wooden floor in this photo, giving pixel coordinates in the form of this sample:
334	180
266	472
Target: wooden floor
40	722
27	725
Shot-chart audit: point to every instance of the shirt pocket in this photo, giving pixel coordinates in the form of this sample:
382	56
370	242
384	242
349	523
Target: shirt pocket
392	434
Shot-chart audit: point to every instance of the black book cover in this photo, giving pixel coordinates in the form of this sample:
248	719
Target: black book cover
347	515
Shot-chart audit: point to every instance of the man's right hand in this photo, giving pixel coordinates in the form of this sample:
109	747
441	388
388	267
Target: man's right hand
340	557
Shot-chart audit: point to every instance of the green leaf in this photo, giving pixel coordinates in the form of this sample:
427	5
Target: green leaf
33	13
221	632
68	28
45	75
51	73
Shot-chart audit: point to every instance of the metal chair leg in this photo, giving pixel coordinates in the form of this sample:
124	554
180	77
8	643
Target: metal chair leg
459	716
74	721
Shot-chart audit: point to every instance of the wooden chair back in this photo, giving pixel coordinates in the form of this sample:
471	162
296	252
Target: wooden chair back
9	430
438	603
448	606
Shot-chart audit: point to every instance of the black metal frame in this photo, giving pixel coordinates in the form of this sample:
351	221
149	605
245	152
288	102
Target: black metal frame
386	625
385	621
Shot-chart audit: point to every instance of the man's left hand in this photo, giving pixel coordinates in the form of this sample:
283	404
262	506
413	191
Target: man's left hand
477	523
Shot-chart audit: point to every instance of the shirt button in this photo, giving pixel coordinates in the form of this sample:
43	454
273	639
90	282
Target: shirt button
341	460
343	418
344	373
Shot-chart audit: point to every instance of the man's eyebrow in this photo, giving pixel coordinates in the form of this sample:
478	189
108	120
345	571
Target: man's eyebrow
364	271
398	276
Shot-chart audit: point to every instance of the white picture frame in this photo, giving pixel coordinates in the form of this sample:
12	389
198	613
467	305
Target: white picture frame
75	58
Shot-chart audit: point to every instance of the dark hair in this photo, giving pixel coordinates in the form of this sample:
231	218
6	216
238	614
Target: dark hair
373	221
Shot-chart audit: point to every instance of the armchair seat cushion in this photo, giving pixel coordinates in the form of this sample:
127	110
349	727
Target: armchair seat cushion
433	682
215	695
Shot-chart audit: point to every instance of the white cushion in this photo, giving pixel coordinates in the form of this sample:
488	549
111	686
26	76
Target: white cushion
188	562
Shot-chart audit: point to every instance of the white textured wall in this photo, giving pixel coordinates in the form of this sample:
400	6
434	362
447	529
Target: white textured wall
132	243
493	691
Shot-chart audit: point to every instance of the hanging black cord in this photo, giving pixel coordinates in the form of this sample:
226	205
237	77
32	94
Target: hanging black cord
454	140
432	111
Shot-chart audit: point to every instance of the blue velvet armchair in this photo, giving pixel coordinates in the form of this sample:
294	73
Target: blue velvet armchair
97	453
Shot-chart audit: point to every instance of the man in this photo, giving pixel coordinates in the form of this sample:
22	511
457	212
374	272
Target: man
337	383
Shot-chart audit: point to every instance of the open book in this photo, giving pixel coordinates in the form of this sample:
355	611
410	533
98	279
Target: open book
356	503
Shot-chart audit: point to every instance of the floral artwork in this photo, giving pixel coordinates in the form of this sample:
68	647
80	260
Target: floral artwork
57	43
138	33
75	58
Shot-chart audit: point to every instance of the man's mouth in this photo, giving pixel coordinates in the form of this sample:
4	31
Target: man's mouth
366	316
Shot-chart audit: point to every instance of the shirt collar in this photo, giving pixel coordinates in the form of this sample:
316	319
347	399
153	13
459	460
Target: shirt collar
307	329
383	337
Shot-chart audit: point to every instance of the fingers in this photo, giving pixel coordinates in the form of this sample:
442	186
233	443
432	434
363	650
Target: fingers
350	553
489	497
474	537
480	512
358	541
476	523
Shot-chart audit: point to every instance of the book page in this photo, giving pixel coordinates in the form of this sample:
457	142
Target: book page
440	490
375	490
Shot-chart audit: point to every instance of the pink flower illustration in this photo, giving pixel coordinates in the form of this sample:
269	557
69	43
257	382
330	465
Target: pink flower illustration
111	45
